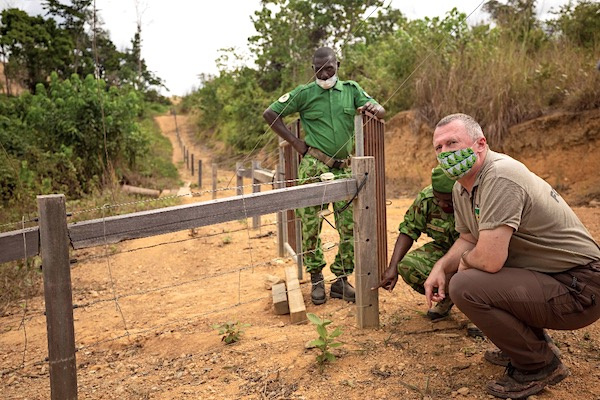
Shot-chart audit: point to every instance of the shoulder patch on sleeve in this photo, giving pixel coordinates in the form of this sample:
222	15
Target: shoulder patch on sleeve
284	98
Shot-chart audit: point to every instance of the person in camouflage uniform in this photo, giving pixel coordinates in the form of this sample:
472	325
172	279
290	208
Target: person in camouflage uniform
327	107
432	213
314	260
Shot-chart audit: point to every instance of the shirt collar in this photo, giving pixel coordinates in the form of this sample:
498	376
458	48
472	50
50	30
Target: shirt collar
338	85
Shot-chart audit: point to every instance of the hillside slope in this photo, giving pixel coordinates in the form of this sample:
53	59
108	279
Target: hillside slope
559	147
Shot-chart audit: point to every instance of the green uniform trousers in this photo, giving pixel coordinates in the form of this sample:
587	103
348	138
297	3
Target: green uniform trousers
309	171
416	265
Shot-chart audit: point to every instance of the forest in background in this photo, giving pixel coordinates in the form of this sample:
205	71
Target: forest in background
80	124
507	70
75	118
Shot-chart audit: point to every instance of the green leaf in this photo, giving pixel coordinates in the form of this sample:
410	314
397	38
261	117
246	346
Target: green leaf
314	319
337	332
322	331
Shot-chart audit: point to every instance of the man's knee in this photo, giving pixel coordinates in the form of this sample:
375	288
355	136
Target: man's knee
461	286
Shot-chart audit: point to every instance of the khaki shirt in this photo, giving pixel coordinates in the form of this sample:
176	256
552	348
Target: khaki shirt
327	116
548	235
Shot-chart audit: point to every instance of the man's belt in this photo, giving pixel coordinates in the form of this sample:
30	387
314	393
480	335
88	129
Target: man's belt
329	161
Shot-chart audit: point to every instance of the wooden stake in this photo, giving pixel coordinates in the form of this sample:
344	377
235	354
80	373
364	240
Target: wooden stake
365	244
54	242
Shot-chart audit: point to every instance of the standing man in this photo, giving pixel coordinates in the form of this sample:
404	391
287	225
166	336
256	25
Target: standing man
523	261
327	107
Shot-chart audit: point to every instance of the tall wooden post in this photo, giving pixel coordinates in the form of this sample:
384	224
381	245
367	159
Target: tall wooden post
199	174
214	181
239	178
280	214
54	242
365	244
192	164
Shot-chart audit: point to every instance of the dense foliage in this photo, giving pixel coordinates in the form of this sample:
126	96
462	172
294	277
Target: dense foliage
504	71
77	125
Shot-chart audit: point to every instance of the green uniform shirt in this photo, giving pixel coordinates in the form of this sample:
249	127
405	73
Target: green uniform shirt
327	116
425	216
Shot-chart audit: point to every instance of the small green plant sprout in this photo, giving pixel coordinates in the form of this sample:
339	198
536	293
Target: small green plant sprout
232	331
326	340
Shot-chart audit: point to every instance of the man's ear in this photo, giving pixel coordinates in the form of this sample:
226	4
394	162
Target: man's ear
481	142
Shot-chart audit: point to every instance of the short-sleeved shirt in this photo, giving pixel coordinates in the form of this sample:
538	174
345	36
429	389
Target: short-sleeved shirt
425	216
548	236
327	116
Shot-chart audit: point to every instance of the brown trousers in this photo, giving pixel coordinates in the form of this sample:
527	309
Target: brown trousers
514	305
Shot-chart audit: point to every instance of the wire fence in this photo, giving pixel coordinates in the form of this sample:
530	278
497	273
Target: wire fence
130	329
114	291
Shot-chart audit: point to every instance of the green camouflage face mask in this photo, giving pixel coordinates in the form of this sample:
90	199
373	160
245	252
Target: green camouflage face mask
457	163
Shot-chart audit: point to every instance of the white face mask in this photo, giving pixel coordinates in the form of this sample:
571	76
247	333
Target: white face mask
327	84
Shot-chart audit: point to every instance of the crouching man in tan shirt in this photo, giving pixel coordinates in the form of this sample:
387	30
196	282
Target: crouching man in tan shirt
523	262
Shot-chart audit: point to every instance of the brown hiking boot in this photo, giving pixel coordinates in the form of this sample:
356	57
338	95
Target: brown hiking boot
498	357
517	384
440	310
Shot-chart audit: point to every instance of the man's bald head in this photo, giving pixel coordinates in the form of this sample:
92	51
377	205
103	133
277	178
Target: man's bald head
324	53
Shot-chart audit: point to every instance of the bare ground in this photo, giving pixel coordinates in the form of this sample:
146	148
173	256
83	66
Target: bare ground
145	310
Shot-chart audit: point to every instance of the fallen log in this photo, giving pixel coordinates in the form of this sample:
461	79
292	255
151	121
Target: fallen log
141	191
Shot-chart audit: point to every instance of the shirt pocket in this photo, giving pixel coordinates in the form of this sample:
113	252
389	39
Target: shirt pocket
349	110
313	115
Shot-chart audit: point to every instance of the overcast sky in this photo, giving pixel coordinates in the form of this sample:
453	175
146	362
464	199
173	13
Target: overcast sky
181	38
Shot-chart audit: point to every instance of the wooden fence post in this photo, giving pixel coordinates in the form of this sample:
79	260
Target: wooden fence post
255	189
54	242
199	174
365	244
239	178
280	214
192	164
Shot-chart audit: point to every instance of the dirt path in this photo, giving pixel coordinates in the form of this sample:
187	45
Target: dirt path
145	310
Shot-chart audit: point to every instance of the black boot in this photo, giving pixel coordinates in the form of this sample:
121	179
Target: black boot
342	289
317	294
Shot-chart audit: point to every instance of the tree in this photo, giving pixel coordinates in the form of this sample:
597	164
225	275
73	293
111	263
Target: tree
74	18
579	24
288	36
34	47
517	20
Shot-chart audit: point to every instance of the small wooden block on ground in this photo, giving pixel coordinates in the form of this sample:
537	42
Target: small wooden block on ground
280	300
294	294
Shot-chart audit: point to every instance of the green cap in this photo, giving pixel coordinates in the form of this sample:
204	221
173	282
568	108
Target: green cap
440	182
